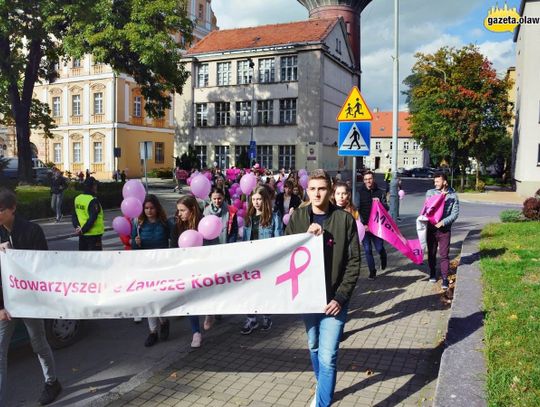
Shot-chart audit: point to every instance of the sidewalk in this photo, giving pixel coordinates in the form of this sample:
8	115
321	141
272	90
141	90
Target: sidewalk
389	355
493	197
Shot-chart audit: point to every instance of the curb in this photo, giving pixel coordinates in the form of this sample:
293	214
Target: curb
517	205
462	372
68	235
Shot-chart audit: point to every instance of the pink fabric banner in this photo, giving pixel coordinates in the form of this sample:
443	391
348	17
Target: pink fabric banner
433	208
382	225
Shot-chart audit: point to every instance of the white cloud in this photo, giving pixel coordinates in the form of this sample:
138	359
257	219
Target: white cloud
500	53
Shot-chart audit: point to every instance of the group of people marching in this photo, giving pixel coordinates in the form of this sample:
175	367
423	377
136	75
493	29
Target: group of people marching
324	208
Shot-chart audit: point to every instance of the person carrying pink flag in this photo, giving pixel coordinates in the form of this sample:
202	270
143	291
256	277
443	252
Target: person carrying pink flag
440	219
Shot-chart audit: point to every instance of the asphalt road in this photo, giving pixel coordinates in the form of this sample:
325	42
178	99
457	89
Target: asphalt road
110	352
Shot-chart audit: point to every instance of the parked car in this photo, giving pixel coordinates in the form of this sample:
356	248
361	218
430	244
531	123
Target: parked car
60	333
422	172
403	172
40	172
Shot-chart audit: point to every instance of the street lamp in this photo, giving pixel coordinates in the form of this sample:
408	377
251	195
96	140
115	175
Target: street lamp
252	146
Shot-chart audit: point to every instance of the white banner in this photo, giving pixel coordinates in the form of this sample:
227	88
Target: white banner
283	275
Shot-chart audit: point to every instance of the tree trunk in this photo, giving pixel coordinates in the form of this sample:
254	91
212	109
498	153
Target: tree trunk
24	152
477	174
462	178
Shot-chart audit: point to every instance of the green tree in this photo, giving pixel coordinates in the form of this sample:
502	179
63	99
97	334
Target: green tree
459	107
133	36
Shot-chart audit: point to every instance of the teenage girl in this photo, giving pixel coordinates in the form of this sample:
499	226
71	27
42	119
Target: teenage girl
342	197
260	223
151	231
188	215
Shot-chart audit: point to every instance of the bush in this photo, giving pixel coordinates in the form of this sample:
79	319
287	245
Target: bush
531	208
35	202
160	173
511	215
480	186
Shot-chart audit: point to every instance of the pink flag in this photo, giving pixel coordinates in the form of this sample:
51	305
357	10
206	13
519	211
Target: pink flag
382	225
433	208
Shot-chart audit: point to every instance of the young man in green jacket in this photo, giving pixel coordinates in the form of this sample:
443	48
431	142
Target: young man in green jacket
341	266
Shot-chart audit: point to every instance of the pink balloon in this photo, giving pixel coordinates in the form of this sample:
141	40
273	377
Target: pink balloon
121	225
235	197
200	186
247	183
238	203
240	222
361	230
131	207
208	175
190	238
134	188
236	186
188	181
241	213
244	205
210	227
401	193
286	219
303	181
302	172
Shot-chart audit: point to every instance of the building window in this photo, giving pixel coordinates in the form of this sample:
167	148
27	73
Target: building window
223	114
267	70
77	152
201	12
222	156
391	144
289	68
287	157
244	73
201	110
200	151
287	111
202	76
98	152
338	46
377	145
390	160
415	145
98	103
223	73
265	112
405	145
56	106
160	153
264	156
243	113
415	161
57	149
137	106
405	160
538	159
238	151
76	105
76	63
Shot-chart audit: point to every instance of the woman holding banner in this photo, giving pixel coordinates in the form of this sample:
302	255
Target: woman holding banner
151	231
188	215
260	223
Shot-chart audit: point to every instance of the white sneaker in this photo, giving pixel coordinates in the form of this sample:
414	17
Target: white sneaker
197	340
208	322
314	401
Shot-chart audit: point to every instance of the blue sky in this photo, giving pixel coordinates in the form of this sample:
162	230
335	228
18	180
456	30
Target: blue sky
425	26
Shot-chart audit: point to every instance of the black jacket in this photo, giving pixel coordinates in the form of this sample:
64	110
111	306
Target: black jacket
294	203
24	235
365	200
58	185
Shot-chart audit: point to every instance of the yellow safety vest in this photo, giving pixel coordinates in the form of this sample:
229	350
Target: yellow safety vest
81	210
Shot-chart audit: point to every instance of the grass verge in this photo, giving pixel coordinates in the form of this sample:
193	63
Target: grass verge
510	264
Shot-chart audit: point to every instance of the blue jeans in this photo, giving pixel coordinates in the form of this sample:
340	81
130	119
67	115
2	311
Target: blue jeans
40	346
324	333
194	322
368	240
56	204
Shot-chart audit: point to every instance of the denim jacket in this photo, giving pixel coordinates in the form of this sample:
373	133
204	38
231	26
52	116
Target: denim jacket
451	206
274	229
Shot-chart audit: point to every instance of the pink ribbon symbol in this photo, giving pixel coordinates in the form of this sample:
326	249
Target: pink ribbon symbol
294	271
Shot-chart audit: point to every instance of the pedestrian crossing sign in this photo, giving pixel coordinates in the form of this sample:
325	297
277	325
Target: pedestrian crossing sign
354	139
354	108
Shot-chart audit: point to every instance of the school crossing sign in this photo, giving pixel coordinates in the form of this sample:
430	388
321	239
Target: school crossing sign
354	139
354	126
